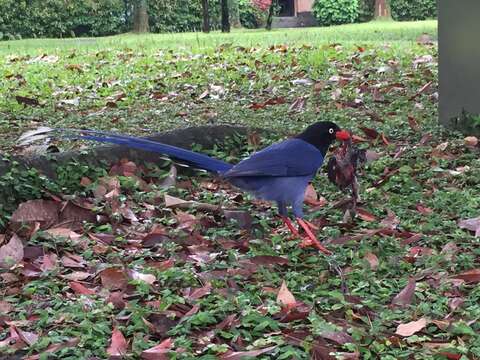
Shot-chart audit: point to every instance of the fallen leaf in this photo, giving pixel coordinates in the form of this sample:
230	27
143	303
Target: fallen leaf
340	337
176	203
371	156
118	344
298	104
135	275
73	261
185	220
11	253
425	39
405	297
158	352
29	338
470	276
413	123
5	307
365	215
311	196
116	299
55	347
43	211
471	141
80	289
198	293
423	209
243	218
372	260
449	355
268	260
240	355
285	297
411	328
27	101
114	278
471	224
63	232
299	312
76	276
422	90
49	262
371	133
455	303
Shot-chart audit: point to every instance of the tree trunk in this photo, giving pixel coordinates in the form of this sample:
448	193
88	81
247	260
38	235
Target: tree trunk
140	16
225	16
271	12
235	14
206	17
382	10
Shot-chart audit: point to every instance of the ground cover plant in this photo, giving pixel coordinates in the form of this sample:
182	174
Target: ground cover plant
132	261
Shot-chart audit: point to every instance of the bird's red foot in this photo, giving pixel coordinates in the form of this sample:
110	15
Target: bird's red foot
310	239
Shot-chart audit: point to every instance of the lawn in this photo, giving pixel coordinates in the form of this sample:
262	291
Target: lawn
133	271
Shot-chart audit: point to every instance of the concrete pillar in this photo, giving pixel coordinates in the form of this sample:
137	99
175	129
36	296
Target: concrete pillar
459	61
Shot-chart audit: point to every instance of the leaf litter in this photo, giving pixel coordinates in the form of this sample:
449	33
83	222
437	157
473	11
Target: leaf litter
192	274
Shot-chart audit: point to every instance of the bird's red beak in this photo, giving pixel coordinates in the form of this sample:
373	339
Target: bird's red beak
342	135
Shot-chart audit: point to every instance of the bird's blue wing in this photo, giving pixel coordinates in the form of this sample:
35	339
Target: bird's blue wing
292	157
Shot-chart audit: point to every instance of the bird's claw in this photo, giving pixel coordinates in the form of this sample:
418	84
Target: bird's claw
310	239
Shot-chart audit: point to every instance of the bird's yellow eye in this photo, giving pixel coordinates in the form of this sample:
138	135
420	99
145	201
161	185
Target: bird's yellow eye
330	131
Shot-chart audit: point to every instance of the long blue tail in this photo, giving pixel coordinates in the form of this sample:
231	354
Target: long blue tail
192	158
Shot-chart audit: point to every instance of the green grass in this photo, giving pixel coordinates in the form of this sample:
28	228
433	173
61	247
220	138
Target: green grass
159	82
352	75
197	42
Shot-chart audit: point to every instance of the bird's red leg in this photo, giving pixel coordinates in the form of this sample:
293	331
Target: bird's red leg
312	237
310	225
290	226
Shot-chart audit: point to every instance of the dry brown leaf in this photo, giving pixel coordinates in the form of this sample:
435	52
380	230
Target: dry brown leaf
198	293
311	196
29	338
148	278
240	355
80	289
43	211
185	220
471	224
405	296
158	352
365	215
285	297
176	203
11	253
118	344
411	328
64	232
470	276
114	278
471	141
372	260
5	307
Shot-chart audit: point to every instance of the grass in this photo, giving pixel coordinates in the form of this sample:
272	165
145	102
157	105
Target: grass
423	182
151	83
198	42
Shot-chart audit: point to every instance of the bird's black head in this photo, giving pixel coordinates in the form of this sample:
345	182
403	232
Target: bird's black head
322	134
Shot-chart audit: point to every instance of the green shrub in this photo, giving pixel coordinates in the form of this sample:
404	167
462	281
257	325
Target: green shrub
67	18
250	16
180	15
335	12
405	10
366	10
61	18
